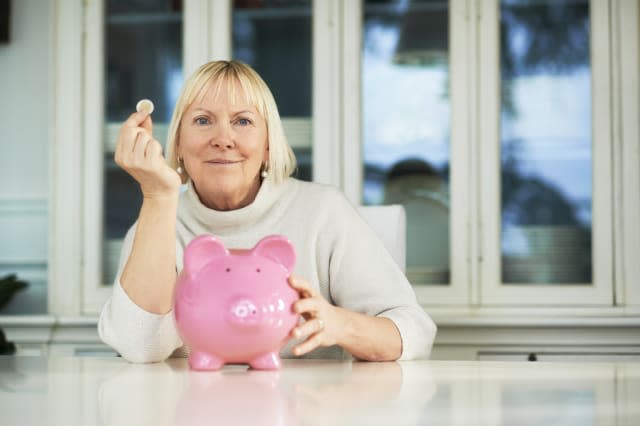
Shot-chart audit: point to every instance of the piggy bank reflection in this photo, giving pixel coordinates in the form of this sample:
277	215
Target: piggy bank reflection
233	397
235	306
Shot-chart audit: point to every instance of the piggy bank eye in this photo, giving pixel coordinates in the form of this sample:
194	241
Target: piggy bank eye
228	269
258	270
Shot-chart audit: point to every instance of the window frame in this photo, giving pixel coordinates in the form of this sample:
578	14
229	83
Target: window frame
460	291
625	23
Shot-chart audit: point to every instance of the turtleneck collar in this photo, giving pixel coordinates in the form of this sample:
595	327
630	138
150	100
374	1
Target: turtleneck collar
225	222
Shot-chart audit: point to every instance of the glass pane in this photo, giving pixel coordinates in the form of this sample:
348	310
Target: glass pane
273	37
406	116
546	141
143	48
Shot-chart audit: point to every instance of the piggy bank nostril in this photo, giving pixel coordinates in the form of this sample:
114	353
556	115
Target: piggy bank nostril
258	270
244	311
228	269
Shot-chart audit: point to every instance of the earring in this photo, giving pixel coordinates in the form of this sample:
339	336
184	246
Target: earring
265	172
179	168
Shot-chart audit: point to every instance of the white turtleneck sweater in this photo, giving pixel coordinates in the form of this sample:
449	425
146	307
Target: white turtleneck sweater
337	253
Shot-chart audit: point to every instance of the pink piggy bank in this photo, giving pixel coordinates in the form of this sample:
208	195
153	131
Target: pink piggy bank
235	306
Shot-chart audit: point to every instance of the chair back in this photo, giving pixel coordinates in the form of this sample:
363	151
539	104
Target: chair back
390	223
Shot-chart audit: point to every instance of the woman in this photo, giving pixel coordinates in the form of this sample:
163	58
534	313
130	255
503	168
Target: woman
227	143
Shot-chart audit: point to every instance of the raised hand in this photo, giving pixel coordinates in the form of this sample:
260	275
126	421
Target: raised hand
140	155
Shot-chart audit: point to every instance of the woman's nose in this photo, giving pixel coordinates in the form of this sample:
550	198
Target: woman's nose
222	143
222	137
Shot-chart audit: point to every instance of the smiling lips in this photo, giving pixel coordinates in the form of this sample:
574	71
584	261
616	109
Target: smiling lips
222	161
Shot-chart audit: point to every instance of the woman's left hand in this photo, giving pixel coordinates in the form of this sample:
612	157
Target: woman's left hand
322	320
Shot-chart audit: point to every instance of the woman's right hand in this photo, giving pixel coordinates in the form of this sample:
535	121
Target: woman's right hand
140	155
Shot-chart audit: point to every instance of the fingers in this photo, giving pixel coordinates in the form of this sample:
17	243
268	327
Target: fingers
312	329
139	151
146	149
306	306
138	119
126	143
147	124
132	145
154	151
308	328
303	288
139	148
140	155
129	133
315	310
308	345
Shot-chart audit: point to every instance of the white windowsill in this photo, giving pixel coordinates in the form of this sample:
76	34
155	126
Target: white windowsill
39	325
459	336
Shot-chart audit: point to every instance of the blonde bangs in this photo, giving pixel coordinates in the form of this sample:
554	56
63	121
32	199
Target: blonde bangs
226	80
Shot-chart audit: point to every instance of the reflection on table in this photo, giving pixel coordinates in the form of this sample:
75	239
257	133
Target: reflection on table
110	391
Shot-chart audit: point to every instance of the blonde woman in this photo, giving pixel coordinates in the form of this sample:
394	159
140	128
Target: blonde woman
227	144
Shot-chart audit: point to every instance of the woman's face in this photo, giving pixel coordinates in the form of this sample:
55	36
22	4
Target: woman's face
223	145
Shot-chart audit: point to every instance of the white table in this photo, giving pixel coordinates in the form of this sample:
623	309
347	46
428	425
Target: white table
110	391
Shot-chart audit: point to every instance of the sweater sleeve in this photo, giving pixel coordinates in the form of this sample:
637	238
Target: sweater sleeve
363	277
137	335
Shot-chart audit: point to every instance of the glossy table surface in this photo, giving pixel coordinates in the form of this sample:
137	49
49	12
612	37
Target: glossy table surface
110	391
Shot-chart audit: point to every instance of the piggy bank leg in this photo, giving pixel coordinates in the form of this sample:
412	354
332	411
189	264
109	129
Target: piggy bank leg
268	361
204	361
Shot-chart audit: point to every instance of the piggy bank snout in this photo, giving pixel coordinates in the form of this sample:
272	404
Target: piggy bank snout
243	313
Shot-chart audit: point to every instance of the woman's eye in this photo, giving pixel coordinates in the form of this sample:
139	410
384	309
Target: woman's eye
243	121
202	121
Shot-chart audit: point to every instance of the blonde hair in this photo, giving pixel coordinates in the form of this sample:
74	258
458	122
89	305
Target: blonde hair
222	75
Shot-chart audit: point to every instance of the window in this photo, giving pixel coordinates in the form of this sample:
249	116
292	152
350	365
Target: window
500	102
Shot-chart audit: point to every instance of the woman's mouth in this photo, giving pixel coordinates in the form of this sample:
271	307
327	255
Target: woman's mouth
222	161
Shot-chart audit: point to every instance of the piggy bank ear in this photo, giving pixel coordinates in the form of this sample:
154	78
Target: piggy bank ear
201	250
278	249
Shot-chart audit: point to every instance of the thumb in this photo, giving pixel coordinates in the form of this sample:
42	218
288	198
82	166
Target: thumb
147	124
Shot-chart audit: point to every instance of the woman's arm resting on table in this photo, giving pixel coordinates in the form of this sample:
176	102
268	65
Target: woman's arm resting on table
365	337
137	335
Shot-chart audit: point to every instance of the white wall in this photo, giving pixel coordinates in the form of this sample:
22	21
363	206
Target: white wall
26	93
